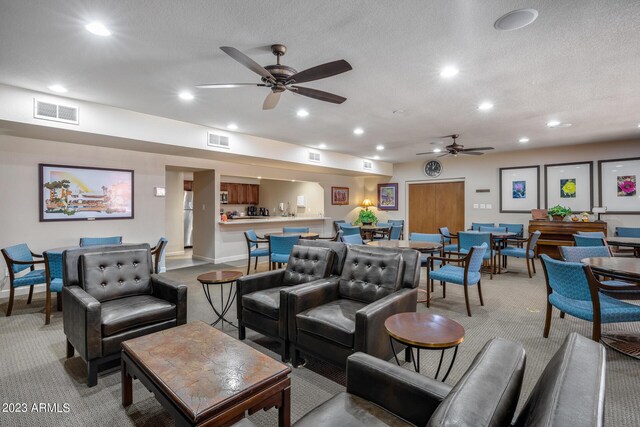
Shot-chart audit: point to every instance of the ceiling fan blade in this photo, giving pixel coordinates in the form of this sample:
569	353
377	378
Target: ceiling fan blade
445	154
226	85
320	71
477	149
271	101
317	94
247	62
472	153
449	136
428	152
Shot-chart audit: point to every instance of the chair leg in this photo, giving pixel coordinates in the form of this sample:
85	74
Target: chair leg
92	374
547	320
249	264
466	300
47	307
70	350
255	267
284	352
429	290
528	267
562	314
490	270
242	332
595	335
10	306
444	289
533	264
59	301
480	293
30	294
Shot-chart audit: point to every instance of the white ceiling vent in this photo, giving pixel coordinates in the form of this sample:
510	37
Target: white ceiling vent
367	165
217	141
56	112
314	157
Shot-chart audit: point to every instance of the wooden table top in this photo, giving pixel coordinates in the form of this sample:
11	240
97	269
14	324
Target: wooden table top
202	369
310	235
220	276
633	242
425	330
374	227
411	244
615	266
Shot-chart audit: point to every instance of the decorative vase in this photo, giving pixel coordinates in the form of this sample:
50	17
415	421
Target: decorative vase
558	217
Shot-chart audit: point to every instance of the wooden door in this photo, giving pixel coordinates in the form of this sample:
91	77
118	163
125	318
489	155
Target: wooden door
435	205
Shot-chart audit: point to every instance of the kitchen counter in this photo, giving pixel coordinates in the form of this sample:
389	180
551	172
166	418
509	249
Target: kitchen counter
262	220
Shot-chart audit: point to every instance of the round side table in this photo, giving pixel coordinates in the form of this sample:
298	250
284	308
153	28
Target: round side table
425	331
220	278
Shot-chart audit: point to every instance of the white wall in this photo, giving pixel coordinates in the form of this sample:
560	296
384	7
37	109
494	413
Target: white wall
174	212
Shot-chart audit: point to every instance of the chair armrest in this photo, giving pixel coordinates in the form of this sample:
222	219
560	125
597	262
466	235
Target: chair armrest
402	392
39	261
81	320
173	292
371	336
36	255
303	298
259	281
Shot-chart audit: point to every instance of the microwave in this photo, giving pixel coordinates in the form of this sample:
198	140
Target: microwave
224	197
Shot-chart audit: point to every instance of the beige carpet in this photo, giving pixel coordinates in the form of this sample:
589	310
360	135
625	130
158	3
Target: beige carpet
33	368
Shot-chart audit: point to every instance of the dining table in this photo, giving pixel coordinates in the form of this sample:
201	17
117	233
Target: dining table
626	242
499	239
367	231
309	235
627	269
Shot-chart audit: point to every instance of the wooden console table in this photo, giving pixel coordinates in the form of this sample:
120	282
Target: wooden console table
560	233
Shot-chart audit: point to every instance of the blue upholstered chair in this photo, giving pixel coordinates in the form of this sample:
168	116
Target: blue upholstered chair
589	240
475	226
348	229
469	239
395	233
280	248
466	274
486	229
352	239
598	234
514	228
423	237
399	222
253	250
573	289
528	252
448	238
295	229
53	271
383	232
99	241
18	259
157	252
627	232
336	224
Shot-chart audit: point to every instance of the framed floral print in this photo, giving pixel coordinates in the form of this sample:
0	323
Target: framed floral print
570	185
618	180
519	189
388	197
339	195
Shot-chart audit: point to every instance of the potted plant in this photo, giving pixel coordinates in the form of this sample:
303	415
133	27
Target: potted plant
366	217
559	212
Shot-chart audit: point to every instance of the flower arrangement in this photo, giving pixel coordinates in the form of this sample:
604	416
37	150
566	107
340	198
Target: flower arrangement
559	212
366	217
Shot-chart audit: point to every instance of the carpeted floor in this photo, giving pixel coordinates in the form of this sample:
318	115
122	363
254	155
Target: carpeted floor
33	368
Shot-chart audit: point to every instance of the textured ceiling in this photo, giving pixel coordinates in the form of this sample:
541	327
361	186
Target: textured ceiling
578	63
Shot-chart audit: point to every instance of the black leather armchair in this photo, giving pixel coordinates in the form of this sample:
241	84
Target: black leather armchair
335	317
115	298
261	296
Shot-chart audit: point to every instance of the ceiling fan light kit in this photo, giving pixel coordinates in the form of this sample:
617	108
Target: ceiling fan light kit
455	148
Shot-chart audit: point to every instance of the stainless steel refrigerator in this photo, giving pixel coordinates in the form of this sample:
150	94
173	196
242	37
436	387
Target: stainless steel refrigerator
188	219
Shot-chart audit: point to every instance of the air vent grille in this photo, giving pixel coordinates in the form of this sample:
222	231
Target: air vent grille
366	164
314	157
55	112
217	141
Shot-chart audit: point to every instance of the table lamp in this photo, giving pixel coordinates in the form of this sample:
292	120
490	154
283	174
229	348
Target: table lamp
366	203
599	211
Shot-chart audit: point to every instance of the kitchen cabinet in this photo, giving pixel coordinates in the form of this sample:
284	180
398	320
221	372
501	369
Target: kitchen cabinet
241	194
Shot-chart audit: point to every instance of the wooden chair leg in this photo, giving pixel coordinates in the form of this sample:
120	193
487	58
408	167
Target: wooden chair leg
480	292
595	335
562	314
444	289
528	267
429	290
249	264
30	294
547	320
466	300
533	264
47	306
10	306
490	269
59	301
255	267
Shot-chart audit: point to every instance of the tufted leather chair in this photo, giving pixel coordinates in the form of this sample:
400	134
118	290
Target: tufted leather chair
115	297
261	296
335	317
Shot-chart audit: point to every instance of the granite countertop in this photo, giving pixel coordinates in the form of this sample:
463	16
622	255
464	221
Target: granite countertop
264	219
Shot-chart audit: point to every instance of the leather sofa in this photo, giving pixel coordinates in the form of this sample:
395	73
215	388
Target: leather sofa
335	317
261	296
110	297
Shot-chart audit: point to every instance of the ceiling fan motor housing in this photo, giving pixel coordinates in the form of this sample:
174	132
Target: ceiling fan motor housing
280	72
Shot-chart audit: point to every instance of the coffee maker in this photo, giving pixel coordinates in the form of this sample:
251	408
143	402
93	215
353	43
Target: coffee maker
264	212
252	211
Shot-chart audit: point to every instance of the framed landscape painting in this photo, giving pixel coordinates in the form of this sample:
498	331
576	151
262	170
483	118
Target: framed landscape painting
519	189
71	193
339	195
388	197
618	185
570	185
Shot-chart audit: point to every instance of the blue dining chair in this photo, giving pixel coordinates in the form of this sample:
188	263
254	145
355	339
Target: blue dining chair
573	289
348	229
395	233
253	250
448	238
598	234
383	232
280	248
513	228
295	229
424	237
627	231
157	252
467	274
18	259
528	252
589	240
53	271
399	222
352	239
475	226
487	229
469	239
336	224
99	241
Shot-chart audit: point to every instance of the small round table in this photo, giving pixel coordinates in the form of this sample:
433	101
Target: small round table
220	278
310	235
425	331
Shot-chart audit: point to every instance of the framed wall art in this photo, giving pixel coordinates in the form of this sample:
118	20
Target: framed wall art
339	195
73	193
570	185
519	189
617	189
388	197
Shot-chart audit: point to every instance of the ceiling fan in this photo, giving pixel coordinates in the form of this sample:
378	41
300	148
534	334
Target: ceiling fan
455	148
280	77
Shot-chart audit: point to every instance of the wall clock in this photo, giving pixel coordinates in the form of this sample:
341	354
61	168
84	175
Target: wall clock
433	168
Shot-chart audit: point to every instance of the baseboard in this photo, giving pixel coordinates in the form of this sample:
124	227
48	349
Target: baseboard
23	290
230	259
176	253
203	258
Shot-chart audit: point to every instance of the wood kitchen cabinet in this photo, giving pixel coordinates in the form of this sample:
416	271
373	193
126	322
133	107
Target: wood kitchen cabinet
241	194
253	194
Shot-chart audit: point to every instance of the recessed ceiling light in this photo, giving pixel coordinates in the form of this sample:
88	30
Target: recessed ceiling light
437	150
449	71
259	177
302	113
618	166
58	88
358	131
553	124
186	96
485	106
376	157
523	140
399	111
380	147
232	126
98	29
322	146
639	125
293	180
515	19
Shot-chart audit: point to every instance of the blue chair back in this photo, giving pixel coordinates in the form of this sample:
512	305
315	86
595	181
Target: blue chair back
397	221
513	228
295	229
54	264
396	231
533	239
588	240
385	224
99	241
20	252
485	229
627	232
446	234
477	256
282	245
349	230
578	253
476	225
469	239
567	278
251	235
599	234
424	237
353	239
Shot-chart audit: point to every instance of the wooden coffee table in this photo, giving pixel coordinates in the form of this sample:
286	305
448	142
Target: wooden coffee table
203	377
220	278
425	331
